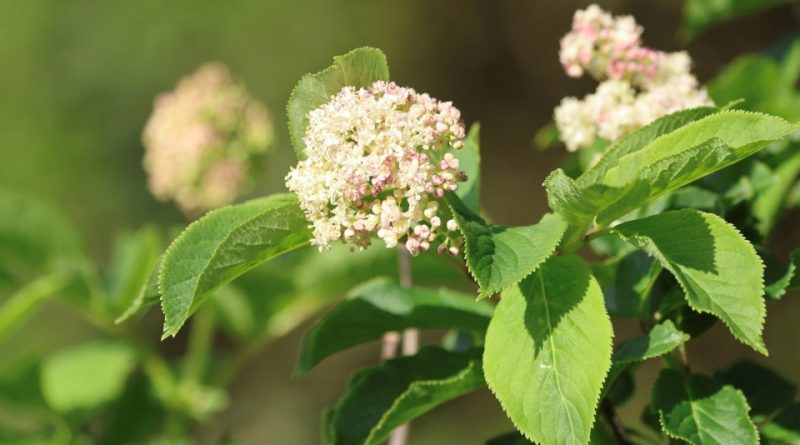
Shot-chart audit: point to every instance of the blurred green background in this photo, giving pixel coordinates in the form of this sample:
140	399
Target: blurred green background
79	81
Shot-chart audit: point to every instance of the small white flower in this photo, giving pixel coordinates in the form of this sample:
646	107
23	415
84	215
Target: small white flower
376	165
637	84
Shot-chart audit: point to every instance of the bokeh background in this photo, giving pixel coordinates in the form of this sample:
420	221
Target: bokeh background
78	83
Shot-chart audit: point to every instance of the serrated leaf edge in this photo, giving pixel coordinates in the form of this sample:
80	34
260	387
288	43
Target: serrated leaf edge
596	401
471	366
171	332
299	146
485	293
675	436
752	250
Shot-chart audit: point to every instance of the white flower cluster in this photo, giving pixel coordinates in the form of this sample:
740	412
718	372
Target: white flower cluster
377	165
202	140
637	84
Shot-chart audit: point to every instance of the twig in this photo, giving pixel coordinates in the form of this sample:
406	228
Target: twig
410	338
614	423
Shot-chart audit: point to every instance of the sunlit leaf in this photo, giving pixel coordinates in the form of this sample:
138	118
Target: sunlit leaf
701	411
359	68
223	245
715	265
539	345
499	257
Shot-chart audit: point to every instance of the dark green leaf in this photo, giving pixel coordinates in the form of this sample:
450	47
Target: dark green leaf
717	268
626	283
359	68
513	438
381	398
662	339
766	390
700	14
223	245
19	384
701	411
785	427
499	257
547	352
382	306
621	389
778	277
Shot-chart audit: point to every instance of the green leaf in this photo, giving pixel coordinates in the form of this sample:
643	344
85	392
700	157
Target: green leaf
469	158
359	68
33	234
754	78
700	14
717	268
547	352
667	163
638	140
499	257
743	132
147	296
603	203
662	339
133	263
513	438
22	304
785	427
769	203
86	376
780	278
766	390
223	245
626	283
383	397
380	306
701	411
19	384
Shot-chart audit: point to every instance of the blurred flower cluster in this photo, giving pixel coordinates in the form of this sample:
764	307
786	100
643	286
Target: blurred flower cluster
203	139
378	164
637	84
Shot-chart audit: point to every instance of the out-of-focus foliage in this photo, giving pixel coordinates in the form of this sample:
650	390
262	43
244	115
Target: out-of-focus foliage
701	14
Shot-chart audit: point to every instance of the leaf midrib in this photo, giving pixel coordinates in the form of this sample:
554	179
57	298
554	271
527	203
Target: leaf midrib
540	279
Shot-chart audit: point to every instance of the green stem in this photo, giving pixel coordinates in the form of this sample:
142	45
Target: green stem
25	301
200	343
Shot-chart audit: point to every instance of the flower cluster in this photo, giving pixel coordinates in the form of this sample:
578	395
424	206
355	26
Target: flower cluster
377	164
637	84
202	140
